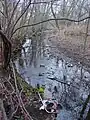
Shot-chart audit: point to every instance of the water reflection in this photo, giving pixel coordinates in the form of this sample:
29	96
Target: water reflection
56	72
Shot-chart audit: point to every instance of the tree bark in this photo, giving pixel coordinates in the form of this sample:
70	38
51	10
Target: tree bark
84	108
3	113
88	115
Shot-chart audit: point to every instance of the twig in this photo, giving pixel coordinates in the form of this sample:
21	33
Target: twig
13	113
3	14
11	85
63	82
19	96
3	110
7	44
54	14
20	16
12	15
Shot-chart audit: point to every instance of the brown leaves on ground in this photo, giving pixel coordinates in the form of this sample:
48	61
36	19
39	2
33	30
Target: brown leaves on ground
70	41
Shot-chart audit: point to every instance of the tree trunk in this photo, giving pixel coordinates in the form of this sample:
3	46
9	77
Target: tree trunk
88	115
3	115
84	108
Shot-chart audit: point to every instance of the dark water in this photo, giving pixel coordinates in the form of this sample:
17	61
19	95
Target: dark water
52	71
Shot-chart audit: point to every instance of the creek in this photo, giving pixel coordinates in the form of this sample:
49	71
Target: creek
56	70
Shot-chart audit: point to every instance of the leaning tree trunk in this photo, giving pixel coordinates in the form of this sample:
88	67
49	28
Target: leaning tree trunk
84	108
3	76
5	53
3	115
88	115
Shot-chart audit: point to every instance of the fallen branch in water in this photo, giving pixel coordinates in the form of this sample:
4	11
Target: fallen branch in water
62	82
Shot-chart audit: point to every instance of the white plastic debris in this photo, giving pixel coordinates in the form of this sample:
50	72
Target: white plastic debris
43	105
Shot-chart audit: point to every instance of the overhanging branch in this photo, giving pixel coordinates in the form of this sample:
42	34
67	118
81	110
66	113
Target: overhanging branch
45	2
48	21
3	14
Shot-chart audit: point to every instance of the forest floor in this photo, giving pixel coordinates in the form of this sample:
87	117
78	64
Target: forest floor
70	42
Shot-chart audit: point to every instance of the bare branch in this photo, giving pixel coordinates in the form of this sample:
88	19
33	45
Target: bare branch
3	14
62	82
19	96
13	113
54	15
3	110
48	21
21	16
44	2
12	14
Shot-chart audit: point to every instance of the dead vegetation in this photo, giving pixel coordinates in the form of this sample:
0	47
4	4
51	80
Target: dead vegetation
70	41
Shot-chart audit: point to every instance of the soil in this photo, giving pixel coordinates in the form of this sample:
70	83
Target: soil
36	114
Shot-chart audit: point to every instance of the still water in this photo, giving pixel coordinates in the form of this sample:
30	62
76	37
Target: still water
57	71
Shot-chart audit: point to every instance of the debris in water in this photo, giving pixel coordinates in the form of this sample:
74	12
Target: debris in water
42	65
